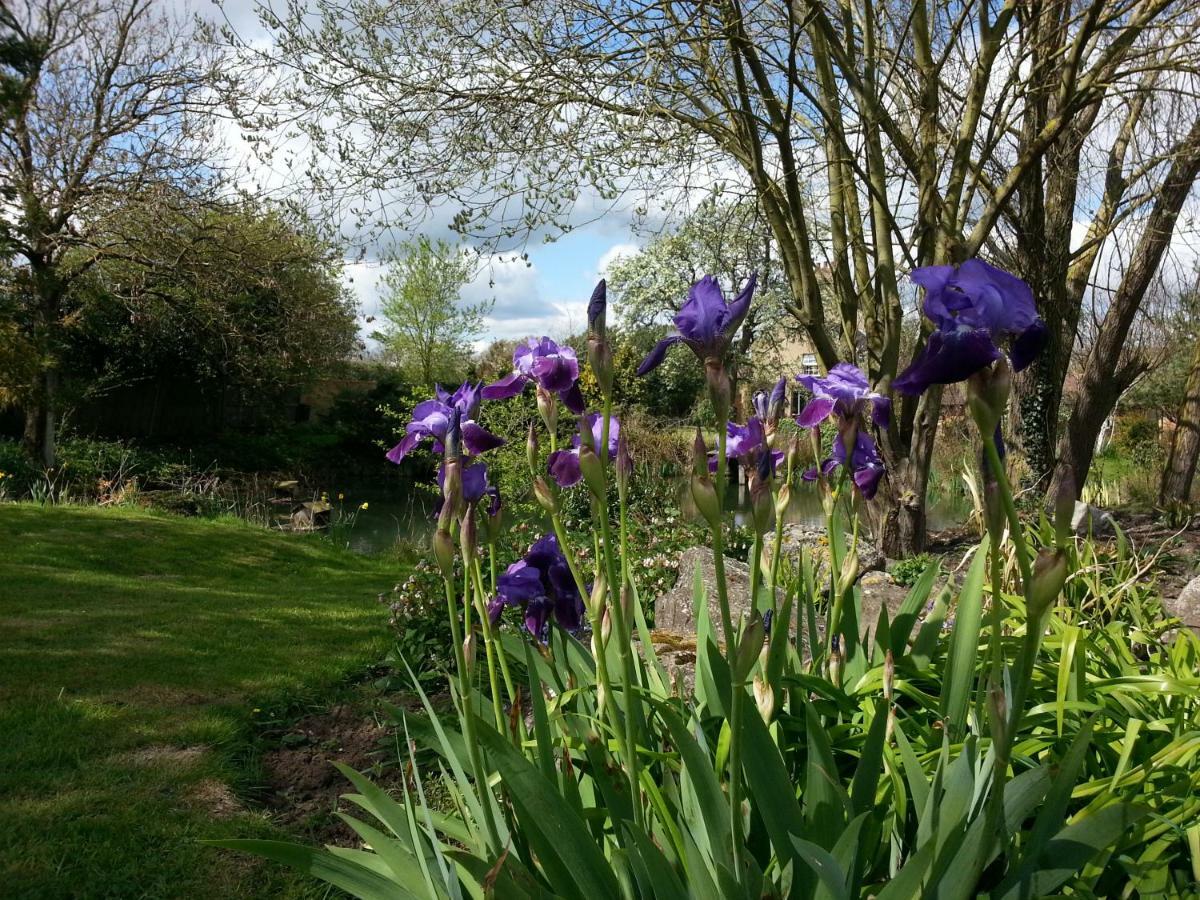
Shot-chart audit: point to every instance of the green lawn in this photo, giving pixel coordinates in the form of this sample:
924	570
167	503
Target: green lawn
134	649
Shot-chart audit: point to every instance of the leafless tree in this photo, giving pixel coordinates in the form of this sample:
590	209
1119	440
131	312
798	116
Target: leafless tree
878	135
112	105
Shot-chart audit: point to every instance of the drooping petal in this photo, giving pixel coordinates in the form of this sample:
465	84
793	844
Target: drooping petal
881	410
494	608
1000	302
537	615
563	465
934	279
406	446
572	398
948	357
1028	345
520	583
655	357
816	411
508	386
776	401
867	479
810	474
477	439
474	481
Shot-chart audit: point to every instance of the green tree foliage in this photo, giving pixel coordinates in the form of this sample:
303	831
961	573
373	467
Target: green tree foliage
236	296
429	329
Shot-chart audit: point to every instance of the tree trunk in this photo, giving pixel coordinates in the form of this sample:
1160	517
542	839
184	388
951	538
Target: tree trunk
1180	467
1106	375
41	420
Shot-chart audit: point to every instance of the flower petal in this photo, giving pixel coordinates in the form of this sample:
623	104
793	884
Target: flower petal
572	398
881	410
702	317
948	356
406	446
477	439
563	465
816	411
656	356
1028	345
740	306
508	386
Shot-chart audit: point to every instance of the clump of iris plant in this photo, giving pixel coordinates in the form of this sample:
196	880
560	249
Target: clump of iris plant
432	419
564	465
542	586
553	368
977	310
845	396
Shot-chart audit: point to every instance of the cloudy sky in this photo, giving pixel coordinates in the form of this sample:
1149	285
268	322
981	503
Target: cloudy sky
546	293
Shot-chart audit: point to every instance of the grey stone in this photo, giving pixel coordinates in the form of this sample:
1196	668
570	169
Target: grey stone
1186	607
879	591
1088	519
795	537
674	611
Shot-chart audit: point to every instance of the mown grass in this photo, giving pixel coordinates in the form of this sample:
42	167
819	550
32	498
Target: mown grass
134	651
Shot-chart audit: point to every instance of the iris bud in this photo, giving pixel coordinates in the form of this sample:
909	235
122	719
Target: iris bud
748	649
469	652
606	626
599	595
443	552
452	490
547	405
544	496
592	470
764	698
1049	576
469	534
601	358
849	572
760	503
624	463
997	713
782	499
987	395
705	497
793	455
699	455
531	448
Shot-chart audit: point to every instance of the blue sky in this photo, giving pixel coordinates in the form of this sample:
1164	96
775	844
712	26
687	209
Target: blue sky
548	296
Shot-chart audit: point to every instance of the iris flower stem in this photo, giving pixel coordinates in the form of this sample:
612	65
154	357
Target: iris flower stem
1029	648
495	655
736	689
632	723
835	565
468	717
601	662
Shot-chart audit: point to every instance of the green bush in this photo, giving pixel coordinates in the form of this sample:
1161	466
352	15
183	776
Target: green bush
906	571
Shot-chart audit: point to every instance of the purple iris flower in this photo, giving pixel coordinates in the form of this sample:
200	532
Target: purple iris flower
705	323
746	442
554	369
564	464
864	464
976	308
844	393
434	419
543	586
769	407
475	486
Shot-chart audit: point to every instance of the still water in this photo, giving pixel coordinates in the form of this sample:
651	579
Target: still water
405	512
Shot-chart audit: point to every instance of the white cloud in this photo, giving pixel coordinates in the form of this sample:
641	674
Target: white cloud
613	254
